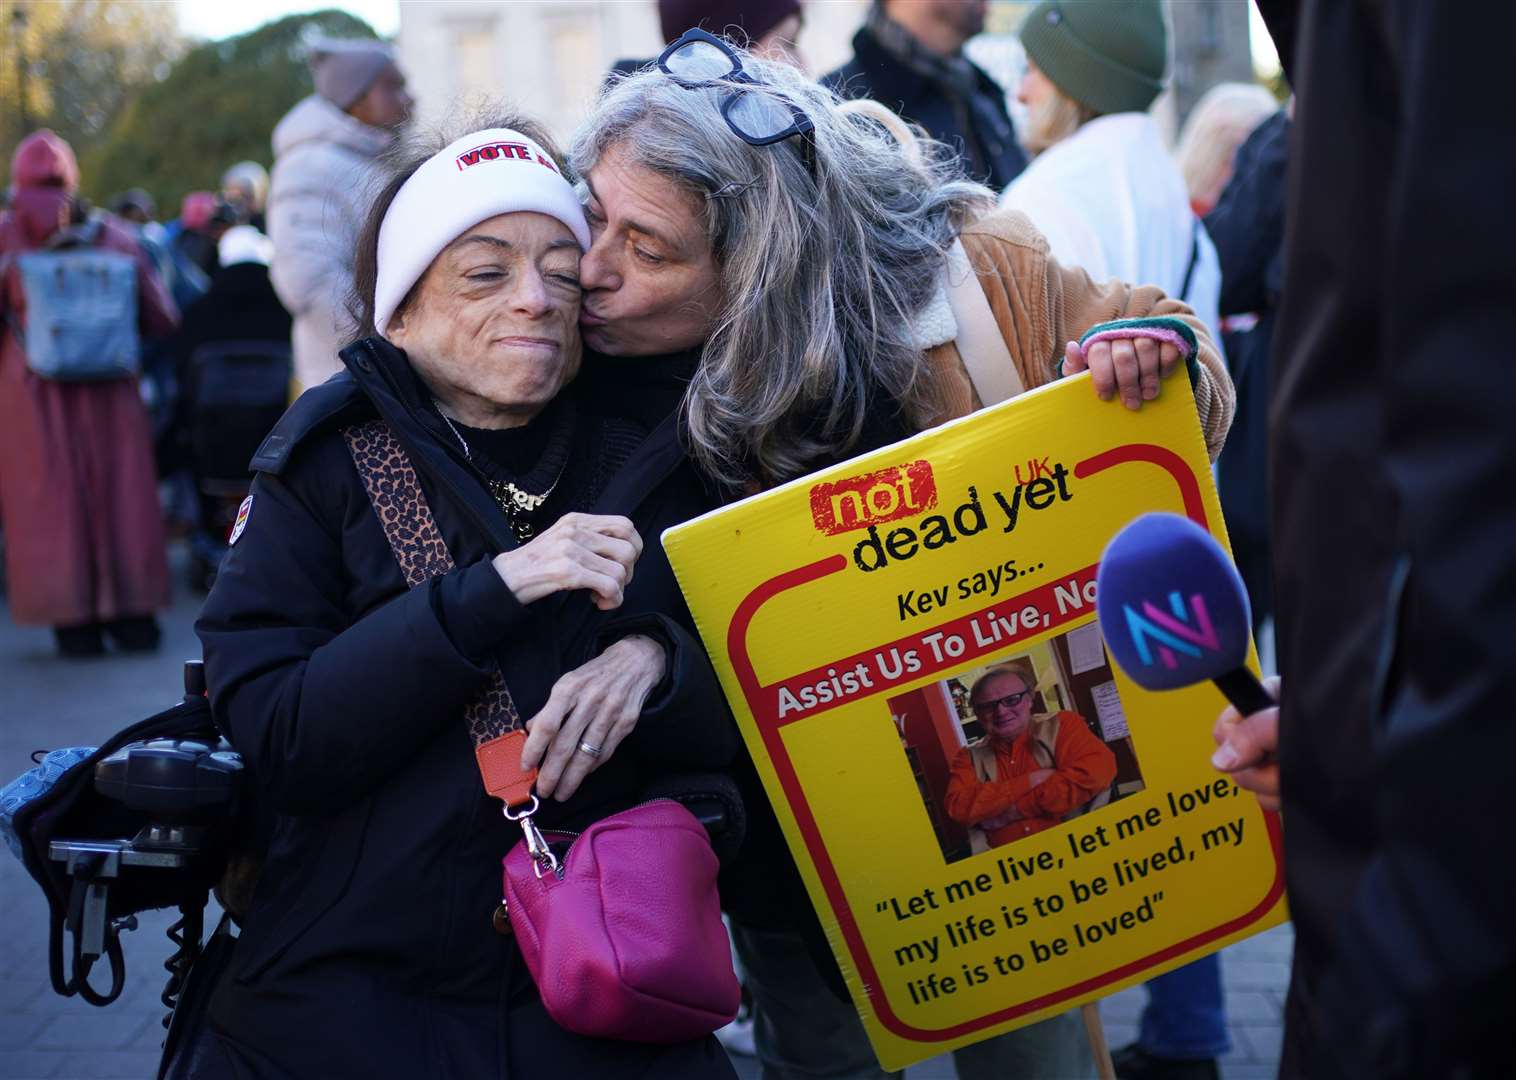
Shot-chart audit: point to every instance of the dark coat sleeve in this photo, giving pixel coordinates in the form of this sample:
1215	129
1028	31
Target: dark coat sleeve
1428	948
1282	18
1247	222
685	723
323	705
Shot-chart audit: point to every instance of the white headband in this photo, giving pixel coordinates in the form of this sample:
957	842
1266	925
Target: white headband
496	171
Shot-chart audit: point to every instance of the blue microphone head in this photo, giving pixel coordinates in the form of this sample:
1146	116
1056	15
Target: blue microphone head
1172	609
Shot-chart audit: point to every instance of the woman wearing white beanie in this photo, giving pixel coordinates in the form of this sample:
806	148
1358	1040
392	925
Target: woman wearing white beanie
354	655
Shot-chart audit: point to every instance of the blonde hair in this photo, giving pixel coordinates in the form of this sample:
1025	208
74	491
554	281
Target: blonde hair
1053	119
1220	122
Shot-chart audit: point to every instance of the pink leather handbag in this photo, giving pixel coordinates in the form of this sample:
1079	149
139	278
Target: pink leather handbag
623	932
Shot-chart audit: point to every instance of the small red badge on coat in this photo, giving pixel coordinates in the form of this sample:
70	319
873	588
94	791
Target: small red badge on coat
242	513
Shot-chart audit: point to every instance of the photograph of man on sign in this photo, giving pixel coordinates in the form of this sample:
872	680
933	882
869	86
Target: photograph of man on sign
1018	743
1029	771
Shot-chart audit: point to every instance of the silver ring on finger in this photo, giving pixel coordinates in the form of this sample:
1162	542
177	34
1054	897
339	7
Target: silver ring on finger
590	748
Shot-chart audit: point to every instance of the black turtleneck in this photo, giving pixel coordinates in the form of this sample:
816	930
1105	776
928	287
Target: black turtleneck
514	452
558	449
644	389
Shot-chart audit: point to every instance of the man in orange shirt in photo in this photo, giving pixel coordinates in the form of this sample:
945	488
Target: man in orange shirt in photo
1029	771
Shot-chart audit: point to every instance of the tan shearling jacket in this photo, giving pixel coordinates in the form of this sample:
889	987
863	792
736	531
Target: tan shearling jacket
1039	305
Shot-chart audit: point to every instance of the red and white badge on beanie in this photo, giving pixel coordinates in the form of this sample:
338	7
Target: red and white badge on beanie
489	172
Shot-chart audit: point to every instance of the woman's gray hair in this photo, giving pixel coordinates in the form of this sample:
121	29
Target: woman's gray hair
822	270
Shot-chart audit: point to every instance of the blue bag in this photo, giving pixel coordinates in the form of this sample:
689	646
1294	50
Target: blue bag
81	309
32	784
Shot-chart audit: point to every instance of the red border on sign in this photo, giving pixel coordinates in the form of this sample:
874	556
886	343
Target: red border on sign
760	700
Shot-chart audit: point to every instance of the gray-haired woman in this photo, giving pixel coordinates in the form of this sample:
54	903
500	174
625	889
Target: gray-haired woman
779	262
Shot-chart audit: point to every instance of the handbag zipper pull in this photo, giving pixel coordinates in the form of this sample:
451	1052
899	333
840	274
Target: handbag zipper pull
542	855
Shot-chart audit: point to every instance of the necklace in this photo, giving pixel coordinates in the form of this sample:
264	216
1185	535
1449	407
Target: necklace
515	502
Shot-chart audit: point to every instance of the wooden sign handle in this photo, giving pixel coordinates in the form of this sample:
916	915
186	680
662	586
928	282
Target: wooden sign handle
1098	1047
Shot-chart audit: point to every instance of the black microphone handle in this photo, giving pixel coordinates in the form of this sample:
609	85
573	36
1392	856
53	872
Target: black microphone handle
1243	690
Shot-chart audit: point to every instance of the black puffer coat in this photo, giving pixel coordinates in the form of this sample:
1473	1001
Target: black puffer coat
369	949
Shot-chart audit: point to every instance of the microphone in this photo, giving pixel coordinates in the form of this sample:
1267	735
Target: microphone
1174	612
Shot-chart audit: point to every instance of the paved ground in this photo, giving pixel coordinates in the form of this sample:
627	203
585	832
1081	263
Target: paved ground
46	702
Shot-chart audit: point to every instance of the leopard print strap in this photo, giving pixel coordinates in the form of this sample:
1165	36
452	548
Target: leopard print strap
395	492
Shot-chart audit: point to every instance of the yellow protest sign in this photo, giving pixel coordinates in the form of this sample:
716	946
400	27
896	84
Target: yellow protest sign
994	823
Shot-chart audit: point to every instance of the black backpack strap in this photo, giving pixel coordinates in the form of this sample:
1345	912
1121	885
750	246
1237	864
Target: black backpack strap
7	316
1189	271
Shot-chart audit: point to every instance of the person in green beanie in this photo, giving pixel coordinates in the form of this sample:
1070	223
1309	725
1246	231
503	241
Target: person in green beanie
1100	56
1103	187
1109	197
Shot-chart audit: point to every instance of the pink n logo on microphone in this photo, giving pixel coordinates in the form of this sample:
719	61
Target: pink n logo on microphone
1183	630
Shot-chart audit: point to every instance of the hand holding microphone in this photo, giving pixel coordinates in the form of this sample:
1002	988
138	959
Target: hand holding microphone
1245	747
1174	613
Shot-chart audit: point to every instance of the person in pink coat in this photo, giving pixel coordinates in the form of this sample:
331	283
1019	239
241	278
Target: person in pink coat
84	537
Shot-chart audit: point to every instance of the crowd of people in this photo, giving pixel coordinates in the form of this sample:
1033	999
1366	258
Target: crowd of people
735	274
98	473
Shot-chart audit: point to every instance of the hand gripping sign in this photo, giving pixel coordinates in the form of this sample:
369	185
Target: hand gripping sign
994	822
